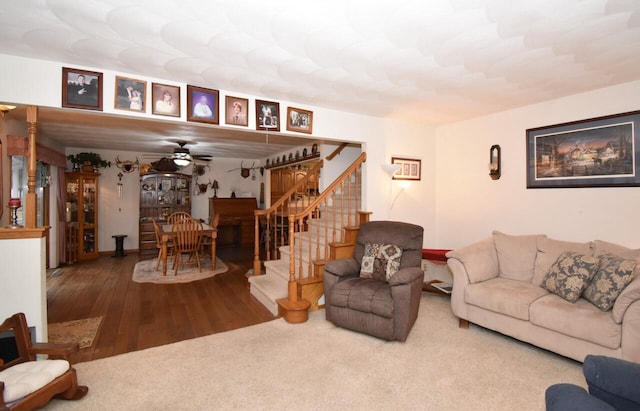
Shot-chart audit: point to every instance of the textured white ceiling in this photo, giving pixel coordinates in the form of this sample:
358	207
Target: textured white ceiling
433	61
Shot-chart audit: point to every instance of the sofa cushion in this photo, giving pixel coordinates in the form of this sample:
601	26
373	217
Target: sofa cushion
380	261
612	277
363	294
548	252
516	255
581	320
504	296
570	275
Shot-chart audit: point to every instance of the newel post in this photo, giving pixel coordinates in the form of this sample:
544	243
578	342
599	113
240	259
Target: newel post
31	197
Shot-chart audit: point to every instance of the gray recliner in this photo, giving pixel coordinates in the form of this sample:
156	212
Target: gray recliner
382	307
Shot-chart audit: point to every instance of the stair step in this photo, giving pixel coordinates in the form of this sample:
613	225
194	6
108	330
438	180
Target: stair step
267	289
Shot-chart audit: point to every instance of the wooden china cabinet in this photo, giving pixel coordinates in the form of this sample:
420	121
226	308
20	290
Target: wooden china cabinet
82	214
161	194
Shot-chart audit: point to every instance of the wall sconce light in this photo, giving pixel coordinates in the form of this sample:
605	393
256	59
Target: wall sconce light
494	162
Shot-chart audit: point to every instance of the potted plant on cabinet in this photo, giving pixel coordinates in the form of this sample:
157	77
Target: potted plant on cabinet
87	162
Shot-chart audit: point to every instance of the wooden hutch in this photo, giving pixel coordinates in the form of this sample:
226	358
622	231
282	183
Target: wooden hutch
161	194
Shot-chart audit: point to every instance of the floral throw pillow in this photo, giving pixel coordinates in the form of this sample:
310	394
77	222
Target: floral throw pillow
612	277
380	261
570	275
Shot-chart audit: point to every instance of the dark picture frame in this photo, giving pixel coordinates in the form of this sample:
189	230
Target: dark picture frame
237	111
203	105
81	89
165	100
410	169
130	94
299	120
597	152
267	115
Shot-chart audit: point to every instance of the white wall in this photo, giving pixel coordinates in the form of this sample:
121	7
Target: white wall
470	205
22	275
38	82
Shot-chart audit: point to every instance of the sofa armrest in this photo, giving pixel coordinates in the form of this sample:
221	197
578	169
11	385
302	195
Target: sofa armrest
405	276
628	296
613	380
479	260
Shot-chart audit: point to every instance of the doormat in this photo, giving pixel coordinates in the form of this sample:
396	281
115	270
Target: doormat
82	331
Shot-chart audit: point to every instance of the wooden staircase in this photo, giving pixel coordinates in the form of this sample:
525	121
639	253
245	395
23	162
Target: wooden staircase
295	252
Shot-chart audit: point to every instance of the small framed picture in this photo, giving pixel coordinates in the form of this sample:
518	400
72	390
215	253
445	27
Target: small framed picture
237	111
81	89
299	120
410	169
130	94
267	115
166	100
202	105
166	184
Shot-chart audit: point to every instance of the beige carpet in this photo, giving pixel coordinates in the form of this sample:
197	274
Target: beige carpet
145	272
82	331
317	366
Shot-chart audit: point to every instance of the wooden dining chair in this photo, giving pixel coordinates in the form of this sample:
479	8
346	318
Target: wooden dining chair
177	216
187	237
170	245
206	241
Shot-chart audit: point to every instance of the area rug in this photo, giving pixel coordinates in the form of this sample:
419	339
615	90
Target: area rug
82	331
145	272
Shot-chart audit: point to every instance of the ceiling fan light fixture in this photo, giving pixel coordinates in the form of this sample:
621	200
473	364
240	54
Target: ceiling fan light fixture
182	159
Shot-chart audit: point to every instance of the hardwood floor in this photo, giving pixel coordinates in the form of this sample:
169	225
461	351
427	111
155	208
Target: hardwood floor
138	316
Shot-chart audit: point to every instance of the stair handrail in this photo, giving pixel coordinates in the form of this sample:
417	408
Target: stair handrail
266	214
296	305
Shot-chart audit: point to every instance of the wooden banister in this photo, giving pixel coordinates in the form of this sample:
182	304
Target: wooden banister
308	228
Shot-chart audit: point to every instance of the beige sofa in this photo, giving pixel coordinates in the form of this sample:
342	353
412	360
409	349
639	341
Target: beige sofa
497	284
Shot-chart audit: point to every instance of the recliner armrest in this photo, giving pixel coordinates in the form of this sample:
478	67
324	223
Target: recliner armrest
406	275
613	380
343	267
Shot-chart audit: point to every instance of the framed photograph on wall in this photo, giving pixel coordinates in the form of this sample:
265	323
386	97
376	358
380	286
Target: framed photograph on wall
130	94
237	111
202	105
598	152
410	169
166	100
299	120
267	115
81	89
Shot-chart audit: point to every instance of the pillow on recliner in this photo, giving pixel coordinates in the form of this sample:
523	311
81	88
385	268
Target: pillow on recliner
570	275
380	261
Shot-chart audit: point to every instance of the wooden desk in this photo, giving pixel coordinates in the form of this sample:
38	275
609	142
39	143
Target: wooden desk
207	231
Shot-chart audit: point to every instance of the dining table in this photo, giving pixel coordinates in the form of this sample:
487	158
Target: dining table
167	235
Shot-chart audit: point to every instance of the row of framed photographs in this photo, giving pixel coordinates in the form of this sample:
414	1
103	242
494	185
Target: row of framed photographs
83	89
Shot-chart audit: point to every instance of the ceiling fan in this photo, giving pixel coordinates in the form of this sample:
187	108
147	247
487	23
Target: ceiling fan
182	156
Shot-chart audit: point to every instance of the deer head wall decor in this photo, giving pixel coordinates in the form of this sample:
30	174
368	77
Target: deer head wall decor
202	188
245	172
127	166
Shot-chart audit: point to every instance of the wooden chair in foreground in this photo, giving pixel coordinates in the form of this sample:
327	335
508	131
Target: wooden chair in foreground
206	241
25	383
187	235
